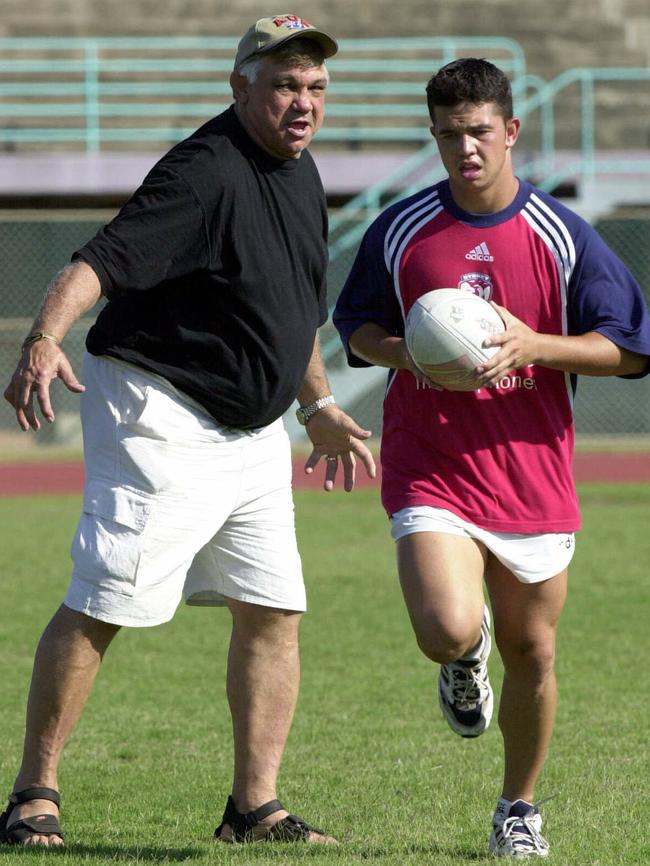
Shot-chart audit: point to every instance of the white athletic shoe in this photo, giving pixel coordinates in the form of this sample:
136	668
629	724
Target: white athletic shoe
519	833
464	690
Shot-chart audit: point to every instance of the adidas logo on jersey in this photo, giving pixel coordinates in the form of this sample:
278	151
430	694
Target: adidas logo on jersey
480	253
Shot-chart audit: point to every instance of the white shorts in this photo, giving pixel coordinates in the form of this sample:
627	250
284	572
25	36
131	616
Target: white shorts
531	558
176	506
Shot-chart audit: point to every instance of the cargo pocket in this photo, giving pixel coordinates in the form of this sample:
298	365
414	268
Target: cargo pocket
111	535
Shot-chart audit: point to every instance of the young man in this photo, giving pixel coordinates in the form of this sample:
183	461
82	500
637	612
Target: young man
214	274
478	486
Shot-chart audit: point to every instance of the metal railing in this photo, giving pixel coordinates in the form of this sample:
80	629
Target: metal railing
107	93
586	162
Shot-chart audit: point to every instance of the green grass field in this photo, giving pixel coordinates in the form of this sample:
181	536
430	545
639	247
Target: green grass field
147	772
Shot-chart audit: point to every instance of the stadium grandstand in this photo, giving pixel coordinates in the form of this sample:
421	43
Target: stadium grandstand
87	106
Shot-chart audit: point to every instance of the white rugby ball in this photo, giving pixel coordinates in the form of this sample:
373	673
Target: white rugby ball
445	331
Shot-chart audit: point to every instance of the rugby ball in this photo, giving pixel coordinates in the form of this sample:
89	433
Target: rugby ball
445	332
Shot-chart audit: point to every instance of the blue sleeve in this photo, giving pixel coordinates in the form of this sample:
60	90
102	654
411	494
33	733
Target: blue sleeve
368	294
605	297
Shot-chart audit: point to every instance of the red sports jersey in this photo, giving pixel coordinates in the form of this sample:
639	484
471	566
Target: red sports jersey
500	458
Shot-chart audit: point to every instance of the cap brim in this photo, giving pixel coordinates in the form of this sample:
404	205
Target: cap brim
329	45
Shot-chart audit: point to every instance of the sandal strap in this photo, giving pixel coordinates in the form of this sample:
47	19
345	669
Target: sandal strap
36	825
287	829
292	829
241	824
29	794
256	815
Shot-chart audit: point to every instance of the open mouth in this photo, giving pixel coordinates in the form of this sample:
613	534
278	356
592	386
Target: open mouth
298	128
470	171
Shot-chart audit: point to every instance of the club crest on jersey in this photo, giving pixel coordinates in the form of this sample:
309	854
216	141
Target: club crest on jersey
291	22
478	284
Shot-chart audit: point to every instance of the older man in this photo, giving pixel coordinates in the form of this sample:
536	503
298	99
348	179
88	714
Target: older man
214	275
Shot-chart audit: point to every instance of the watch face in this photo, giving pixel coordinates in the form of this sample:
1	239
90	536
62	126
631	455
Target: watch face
304	413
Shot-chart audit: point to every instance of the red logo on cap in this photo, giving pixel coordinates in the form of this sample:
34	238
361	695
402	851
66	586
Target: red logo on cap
292	21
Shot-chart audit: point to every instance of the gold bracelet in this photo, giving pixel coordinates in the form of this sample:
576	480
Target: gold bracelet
39	335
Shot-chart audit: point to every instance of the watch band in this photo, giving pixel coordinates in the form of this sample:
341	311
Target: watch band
304	413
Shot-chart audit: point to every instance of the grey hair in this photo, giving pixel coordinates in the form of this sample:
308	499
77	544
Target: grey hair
250	68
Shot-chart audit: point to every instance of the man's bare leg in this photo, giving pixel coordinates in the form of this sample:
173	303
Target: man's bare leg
262	685
525	623
67	660
441	576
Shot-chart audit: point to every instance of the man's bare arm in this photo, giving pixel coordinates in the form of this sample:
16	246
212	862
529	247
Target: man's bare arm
334	435
73	292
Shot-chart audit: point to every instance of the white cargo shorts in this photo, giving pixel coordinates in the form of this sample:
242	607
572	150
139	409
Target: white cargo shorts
176	506
531	558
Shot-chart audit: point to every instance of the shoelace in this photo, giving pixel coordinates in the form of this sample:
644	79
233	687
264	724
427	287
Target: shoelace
525	831
468	685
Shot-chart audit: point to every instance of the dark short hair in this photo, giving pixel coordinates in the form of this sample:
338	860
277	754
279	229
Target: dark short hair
470	79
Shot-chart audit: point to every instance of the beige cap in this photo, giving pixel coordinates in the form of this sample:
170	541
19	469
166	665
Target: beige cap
268	33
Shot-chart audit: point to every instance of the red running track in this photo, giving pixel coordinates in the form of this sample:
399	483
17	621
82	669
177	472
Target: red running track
27	478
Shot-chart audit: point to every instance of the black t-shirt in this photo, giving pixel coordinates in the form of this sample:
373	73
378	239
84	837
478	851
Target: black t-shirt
215	274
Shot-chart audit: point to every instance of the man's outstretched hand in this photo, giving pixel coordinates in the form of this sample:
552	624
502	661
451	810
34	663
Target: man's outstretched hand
338	439
39	364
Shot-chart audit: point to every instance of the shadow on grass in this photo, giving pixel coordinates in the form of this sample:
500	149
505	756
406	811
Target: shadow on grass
106	853
135	854
411	852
